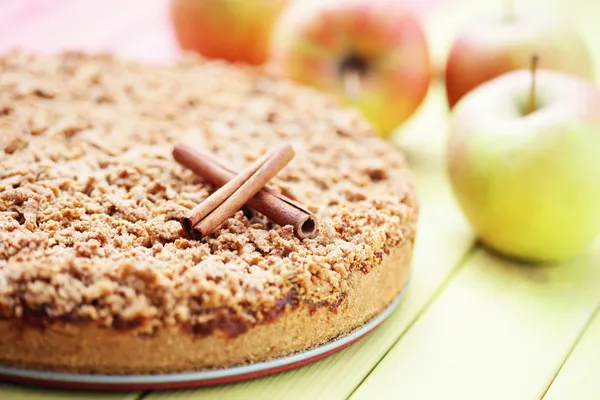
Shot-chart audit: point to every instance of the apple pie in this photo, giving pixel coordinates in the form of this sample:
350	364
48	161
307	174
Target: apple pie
95	274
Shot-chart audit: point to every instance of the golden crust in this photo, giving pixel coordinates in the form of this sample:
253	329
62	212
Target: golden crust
87	347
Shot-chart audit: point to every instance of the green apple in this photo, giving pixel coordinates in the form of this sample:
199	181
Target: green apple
528	177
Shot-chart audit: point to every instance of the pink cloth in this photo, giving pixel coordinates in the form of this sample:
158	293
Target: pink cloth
133	28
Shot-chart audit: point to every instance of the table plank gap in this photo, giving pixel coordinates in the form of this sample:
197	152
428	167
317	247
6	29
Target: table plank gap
578	378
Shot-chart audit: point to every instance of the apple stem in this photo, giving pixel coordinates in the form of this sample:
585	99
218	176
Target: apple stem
352	82
533	67
509	10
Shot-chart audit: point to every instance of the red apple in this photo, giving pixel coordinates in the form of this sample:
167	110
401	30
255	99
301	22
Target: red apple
234	30
372	53
491	47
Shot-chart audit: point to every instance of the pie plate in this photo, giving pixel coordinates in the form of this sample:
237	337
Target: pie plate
192	379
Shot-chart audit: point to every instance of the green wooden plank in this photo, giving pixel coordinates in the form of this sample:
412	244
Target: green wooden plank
500	330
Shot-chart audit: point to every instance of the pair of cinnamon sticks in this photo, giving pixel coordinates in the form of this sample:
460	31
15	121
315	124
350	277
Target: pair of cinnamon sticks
246	188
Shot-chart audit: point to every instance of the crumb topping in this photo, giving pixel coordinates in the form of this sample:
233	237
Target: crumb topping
90	196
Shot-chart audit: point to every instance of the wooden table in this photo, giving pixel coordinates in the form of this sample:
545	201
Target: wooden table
471	326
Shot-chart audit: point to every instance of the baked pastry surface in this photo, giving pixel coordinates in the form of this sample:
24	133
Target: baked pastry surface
95	275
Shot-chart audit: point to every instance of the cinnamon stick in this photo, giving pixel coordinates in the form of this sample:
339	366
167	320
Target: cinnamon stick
275	206
267	168
195	215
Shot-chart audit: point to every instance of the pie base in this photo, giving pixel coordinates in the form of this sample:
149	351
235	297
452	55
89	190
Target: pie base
88	348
